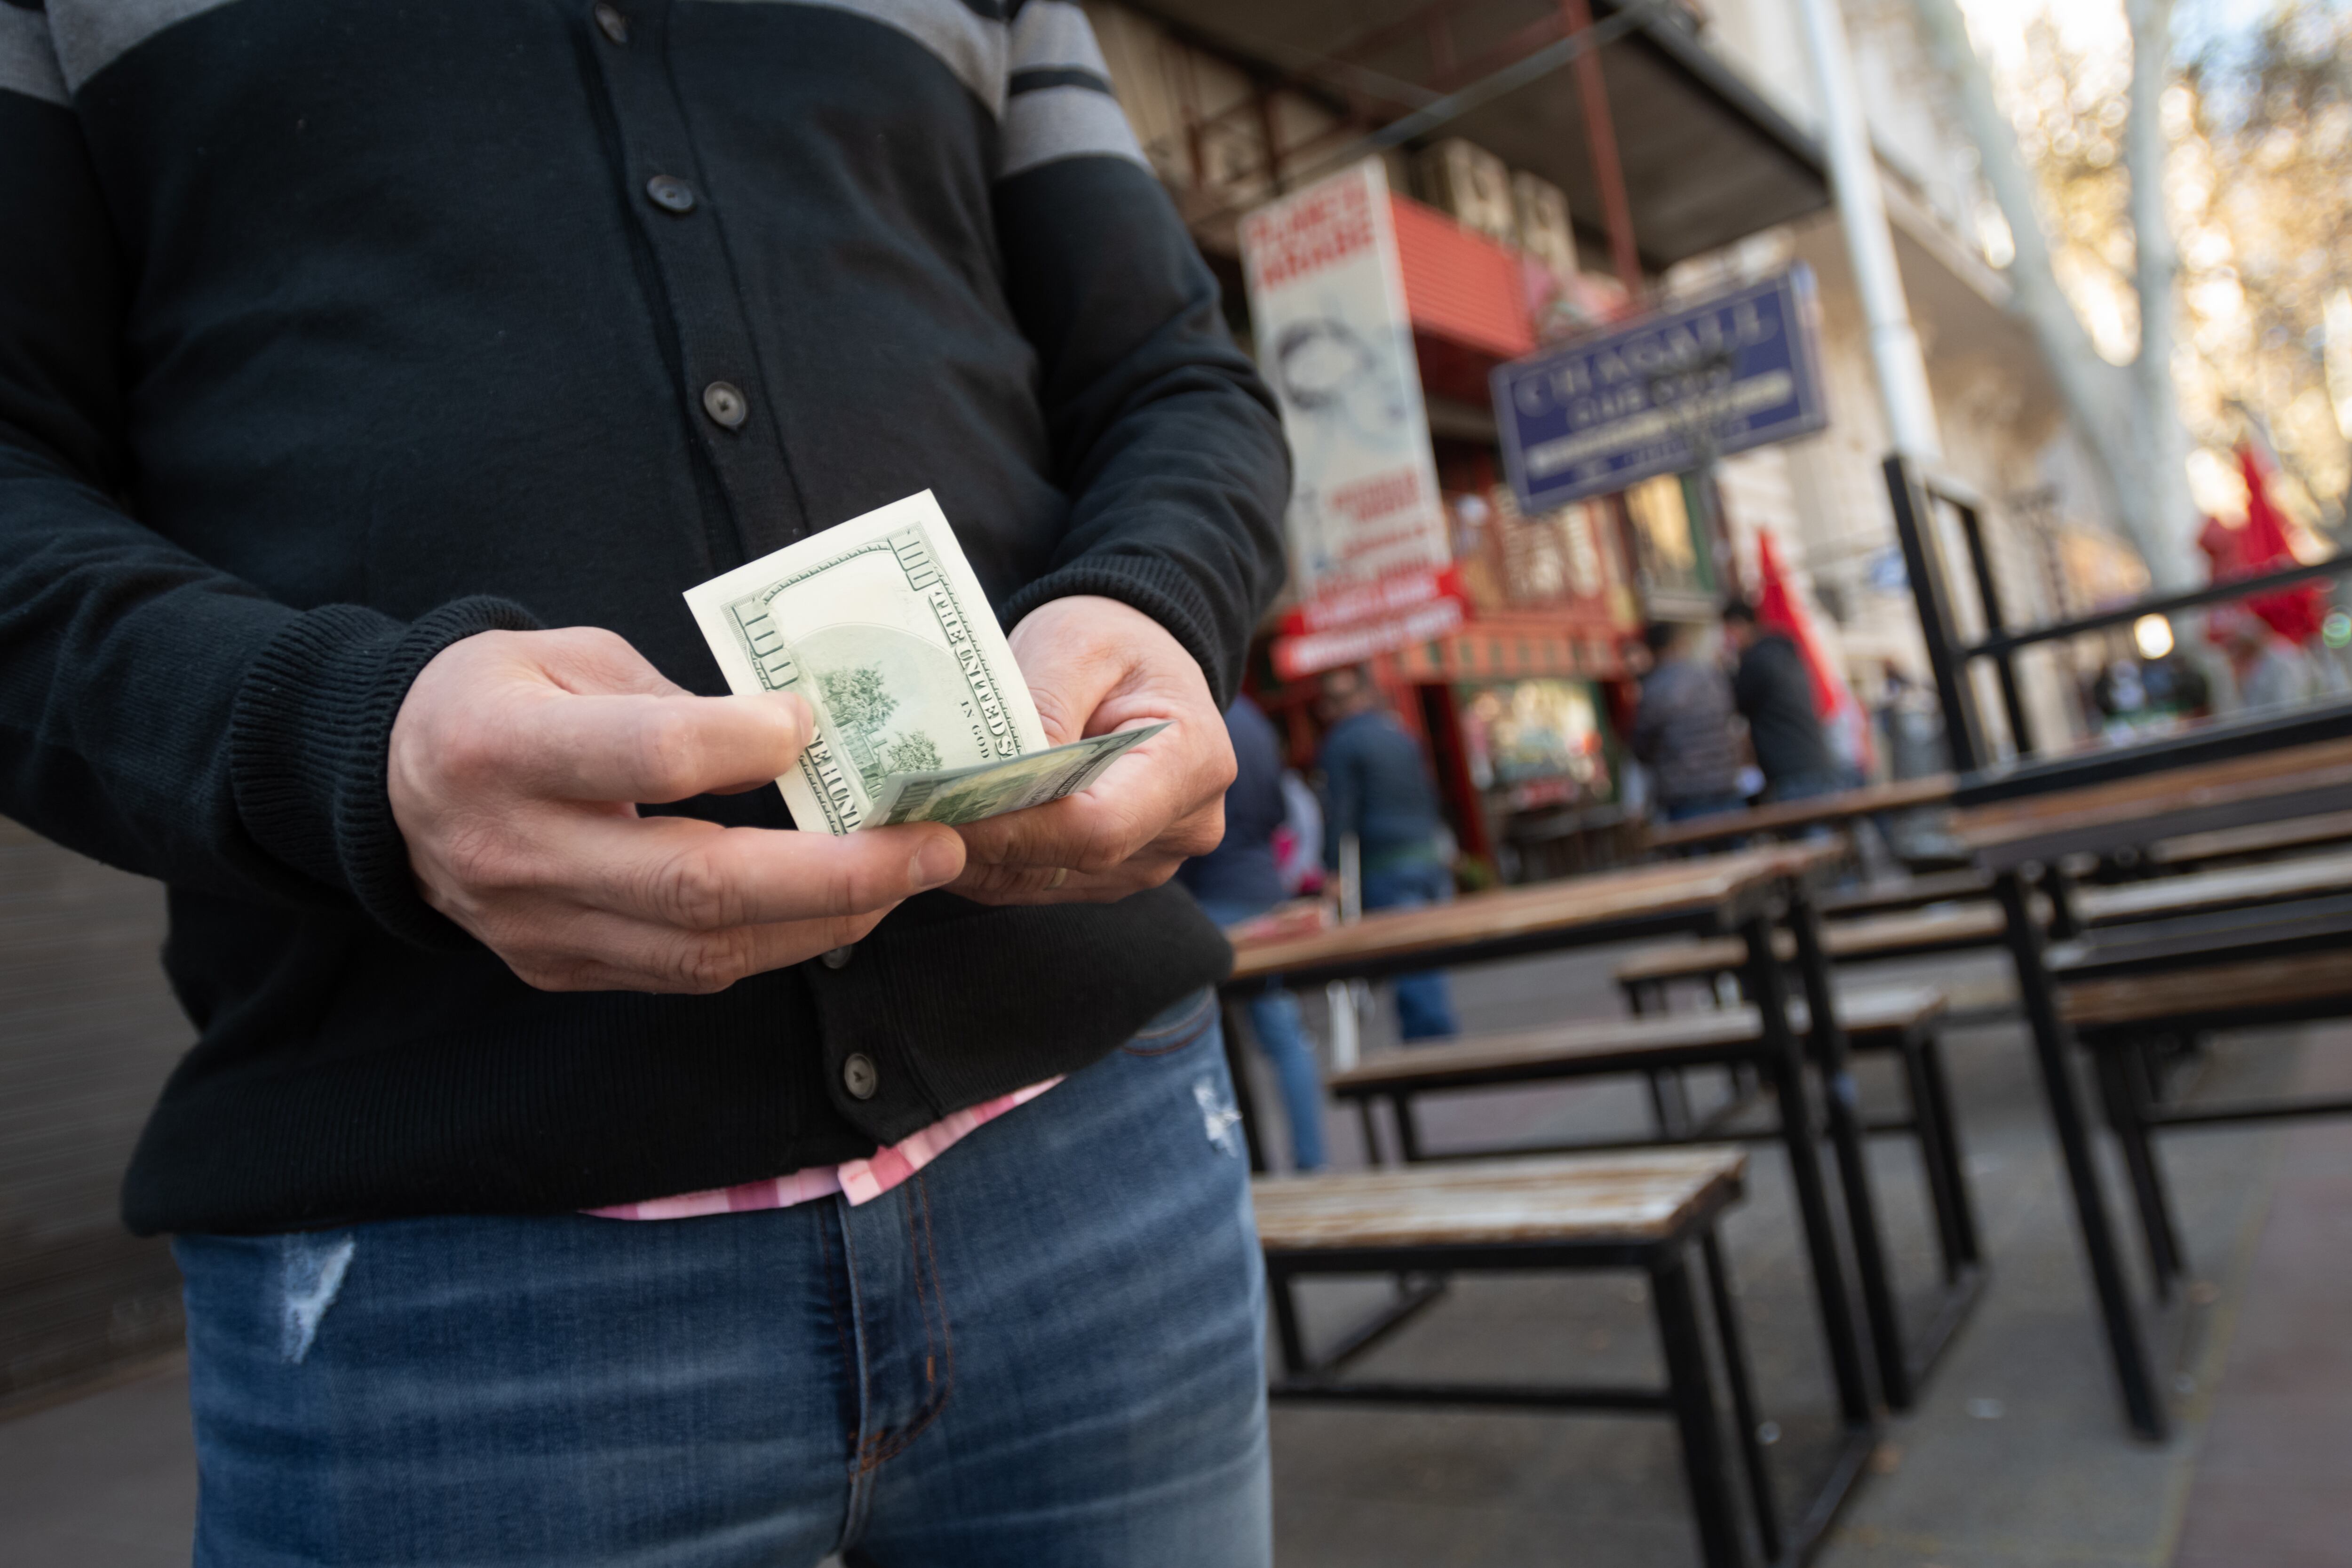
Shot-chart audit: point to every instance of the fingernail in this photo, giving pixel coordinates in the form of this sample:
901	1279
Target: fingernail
803	716
937	862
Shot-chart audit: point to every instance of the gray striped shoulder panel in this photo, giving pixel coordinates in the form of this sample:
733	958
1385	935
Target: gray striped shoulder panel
1058	103
28	61
1043	73
93	34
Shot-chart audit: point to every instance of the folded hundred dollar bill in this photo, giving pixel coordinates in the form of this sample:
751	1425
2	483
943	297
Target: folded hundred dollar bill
922	714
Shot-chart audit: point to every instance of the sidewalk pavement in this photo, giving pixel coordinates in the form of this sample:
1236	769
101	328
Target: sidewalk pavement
2017	1458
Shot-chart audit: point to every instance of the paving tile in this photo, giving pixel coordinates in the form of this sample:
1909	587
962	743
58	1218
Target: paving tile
2270	1487
2052	1482
105	1482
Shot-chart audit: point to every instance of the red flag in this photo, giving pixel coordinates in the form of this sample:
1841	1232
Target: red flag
1776	608
1779	610
2262	546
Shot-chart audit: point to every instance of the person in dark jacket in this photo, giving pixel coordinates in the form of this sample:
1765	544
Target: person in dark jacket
1238	879
1774	691
1375	786
373	380
1685	732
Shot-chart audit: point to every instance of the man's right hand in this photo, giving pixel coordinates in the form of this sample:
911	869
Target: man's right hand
516	763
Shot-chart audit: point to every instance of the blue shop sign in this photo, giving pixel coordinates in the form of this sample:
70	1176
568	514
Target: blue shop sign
1602	413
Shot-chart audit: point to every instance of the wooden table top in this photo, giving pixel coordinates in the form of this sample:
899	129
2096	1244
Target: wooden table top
2296	781
1786	817
1577	909
1638	1195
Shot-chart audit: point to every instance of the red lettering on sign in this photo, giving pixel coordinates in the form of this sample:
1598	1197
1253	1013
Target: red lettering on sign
1380	496
1309	234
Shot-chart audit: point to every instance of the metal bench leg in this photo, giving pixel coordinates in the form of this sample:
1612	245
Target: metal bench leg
1408	1135
1743	1393
1662	1115
1842	1334
1684	1116
2059	888
1843	1114
2053	1048
1372	1155
1937	1086
2148	1061
1288	1340
2124	1109
1935	1157
1691	1386
1745	1081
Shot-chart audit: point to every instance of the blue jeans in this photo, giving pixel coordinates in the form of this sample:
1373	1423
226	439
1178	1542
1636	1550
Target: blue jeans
1274	1019
1704	805
1044	1349
1804	786
1424	1008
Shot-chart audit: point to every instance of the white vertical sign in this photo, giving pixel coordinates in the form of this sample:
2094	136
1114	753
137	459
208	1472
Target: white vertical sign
1327	302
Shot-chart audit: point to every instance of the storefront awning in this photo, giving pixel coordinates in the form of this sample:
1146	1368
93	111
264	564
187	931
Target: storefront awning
1706	159
1510	648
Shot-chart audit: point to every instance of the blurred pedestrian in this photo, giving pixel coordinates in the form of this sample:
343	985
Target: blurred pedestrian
1773	690
2271	671
1241	877
1685	730
1375	786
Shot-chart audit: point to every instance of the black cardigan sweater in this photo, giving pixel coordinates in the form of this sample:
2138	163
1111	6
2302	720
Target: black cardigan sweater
333	330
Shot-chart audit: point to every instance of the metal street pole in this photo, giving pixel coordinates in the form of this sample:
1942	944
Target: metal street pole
1902	370
1870	243
1600	139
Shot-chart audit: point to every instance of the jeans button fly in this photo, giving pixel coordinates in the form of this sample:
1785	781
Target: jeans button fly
858	1077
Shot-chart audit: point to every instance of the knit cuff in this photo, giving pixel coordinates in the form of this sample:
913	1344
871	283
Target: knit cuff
310	739
1161	589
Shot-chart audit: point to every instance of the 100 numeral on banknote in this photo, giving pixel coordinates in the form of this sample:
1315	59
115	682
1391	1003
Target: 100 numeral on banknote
922	714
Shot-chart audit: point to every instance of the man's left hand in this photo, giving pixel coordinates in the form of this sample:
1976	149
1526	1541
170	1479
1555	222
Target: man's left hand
1093	665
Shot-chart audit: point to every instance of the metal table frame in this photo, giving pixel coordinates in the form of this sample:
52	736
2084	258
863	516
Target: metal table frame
1749	914
1929	1122
2012	861
1689	1396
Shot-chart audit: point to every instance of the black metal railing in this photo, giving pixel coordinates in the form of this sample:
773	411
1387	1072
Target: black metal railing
1915	497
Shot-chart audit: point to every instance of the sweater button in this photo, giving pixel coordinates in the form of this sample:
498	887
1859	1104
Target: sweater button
835	958
611	21
858	1077
670	194
725	403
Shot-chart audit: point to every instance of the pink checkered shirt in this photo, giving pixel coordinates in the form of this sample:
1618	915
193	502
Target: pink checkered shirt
859	1181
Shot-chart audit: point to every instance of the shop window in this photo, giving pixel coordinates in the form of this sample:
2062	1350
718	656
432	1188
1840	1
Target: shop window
1671	552
1529	744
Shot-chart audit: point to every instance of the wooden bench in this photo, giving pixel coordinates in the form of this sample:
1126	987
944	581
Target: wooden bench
2215	891
1920	934
1963	927
1646	1211
2264	838
1892	894
1900	1020
1786	817
2118	1012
